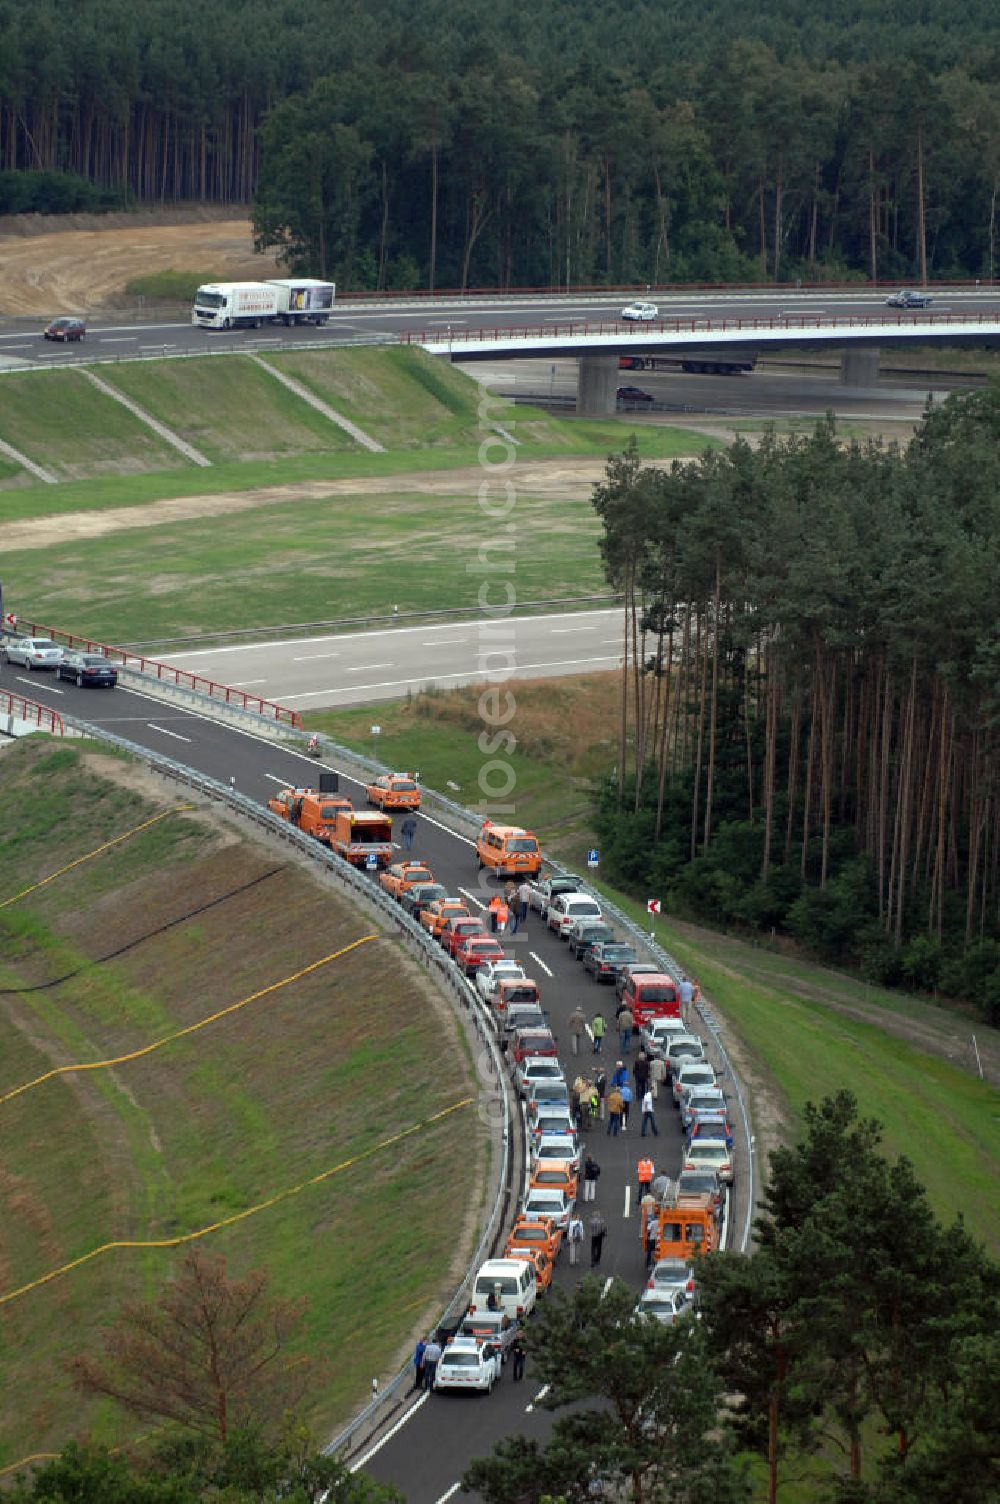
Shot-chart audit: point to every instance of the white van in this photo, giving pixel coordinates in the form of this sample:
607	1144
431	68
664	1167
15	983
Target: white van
511	1281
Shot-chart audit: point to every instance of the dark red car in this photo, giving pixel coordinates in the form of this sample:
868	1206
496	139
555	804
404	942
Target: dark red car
459	928
533	1042
472	950
65	328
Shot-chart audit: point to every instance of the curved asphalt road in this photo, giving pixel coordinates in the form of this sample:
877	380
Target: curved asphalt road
425	1457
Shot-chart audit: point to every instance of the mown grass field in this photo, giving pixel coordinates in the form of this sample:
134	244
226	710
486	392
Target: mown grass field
309	1077
301	561
425	412
796	1023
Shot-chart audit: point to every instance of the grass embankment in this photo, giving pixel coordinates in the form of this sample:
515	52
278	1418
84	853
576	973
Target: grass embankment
315	560
289	1086
805	1031
424	411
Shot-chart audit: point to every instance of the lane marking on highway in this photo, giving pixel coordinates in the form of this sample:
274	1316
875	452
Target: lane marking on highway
562	631
122	339
628	1201
366	1457
271	778
164	732
607	1285
443	642
499	676
448	1493
538	1398
242	683
447	626
306	657
366	668
472	898
36	684
539	962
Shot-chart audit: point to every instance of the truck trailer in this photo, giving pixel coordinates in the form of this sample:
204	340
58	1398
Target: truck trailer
285	300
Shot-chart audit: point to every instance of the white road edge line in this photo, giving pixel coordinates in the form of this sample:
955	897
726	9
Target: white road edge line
628	1200
448	1493
539	962
607	1285
366	1457
37	684
273	778
539	1396
164	732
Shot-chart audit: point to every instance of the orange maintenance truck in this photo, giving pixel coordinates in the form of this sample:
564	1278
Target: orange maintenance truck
362	834
312	810
682	1230
401	876
508	851
394	791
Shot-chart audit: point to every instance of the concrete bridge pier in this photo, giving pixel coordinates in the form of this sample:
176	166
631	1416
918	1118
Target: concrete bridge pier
596	385
859	366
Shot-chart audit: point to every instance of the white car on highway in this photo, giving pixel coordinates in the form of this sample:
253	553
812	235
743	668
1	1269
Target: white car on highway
709	1154
492	973
468	1364
551	1203
33	652
569	906
640	313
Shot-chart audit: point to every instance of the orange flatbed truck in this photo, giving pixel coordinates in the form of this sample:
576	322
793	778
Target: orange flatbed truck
682	1230
359	834
310	810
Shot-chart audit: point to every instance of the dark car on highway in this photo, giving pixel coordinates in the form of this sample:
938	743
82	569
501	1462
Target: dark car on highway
909	297
421	896
88	668
65	328
634	395
586	932
605	957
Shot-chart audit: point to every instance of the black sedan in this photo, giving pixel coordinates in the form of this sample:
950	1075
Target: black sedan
421	896
586	932
88	668
634	396
605	957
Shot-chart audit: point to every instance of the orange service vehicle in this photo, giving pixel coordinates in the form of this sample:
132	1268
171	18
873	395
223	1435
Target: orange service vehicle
312	811
394	791
400	876
363	838
508	851
541	1263
681	1231
560	1175
436	915
536	1233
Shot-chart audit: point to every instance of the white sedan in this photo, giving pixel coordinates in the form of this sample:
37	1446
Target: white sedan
640	313
468	1364
492	973
33	652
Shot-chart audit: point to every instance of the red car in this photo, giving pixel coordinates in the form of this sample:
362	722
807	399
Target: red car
458	929
533	1042
473	950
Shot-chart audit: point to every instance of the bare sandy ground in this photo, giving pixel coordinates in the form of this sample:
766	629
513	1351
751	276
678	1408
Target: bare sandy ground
559	479
73	265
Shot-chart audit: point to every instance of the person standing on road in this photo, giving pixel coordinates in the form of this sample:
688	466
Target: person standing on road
409	830
640	1073
625	1092
660	1187
577	1027
614	1111
495	905
620	1075
625	1025
649	1115
418	1364
523	899
598	1232
597	1030
591	1175
601	1088
432	1356
644	1173
518	1353
574	1236
685	992
657	1074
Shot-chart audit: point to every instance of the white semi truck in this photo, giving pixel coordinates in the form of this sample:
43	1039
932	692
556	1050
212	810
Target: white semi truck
285	300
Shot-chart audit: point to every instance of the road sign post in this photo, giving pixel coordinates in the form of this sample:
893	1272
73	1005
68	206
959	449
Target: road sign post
593	857
653	908
371	861
376	733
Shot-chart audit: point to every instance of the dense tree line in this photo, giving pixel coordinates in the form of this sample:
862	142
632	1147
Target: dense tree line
506	144
856	1347
811	697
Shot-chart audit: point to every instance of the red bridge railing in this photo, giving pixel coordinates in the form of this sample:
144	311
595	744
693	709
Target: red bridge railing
168	674
41	716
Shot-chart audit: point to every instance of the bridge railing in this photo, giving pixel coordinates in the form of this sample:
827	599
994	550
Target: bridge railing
683	328
168	674
30	711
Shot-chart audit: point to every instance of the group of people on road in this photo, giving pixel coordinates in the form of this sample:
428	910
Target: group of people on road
510	912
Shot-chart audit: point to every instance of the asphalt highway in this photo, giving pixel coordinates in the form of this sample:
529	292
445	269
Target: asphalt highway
426	1455
361	667
21	342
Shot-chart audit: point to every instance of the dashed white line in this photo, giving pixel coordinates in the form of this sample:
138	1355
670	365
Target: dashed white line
366	668
307	657
272	779
607	1285
628	1200
242	683
473	899
37	684
538	1398
122	339
539	962
448	1493
469	674
442	641
563	631
164	732
367	1456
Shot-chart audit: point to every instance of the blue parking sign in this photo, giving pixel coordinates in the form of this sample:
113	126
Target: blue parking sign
593	857
371	861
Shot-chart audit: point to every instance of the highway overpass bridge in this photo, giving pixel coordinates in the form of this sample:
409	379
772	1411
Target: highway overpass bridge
598	344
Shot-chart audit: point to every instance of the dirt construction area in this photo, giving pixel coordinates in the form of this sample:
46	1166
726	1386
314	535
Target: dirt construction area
53	264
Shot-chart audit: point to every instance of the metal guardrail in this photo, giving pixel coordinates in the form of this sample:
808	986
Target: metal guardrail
383	618
18	708
437	960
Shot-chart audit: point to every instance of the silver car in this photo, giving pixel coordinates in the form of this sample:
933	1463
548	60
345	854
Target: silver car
33	652
665	1304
